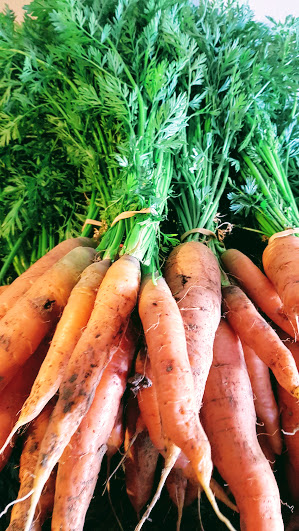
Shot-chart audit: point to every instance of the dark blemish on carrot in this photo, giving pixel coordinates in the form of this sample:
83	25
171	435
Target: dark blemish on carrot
66	393
48	304
68	407
155	304
33	447
5	341
73	378
98	335
82	392
185	279
169	368
93	365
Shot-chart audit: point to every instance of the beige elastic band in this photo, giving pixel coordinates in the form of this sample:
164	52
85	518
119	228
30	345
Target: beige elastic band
131	213
206	232
91	222
283	233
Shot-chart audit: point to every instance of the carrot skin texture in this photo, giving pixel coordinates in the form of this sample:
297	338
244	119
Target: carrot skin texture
14	395
165	337
193	275
289	407
117	435
68	331
115	301
260	336
24	282
228	416
257	286
141	460
281	265
265	404
80	462
25	325
3	289
28	460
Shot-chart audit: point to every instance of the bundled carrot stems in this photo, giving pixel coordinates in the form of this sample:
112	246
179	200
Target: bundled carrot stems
147	120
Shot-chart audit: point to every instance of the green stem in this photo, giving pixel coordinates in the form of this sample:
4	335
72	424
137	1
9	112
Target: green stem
9	259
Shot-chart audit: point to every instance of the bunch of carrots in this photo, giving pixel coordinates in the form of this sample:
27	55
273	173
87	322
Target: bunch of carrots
102	347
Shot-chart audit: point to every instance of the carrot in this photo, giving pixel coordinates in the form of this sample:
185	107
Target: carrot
25	324
14	395
289	407
260	336
115	301
265	404
164	333
228	416
193	275
27	279
3	289
177	484
80	462
141	460
28	460
258	288
69	329
263	439
281	265
117	435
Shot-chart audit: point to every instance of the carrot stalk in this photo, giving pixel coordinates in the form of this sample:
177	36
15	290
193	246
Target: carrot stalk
69	329
22	284
115	301
260	336
25	324
228	416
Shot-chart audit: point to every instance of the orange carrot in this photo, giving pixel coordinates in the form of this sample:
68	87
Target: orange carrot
115	301
258	287
25	324
260	336
27	279
228	416
263	439
290	423
3	288
117	434
16	392
141	460
80	462
265	404
69	329
193	275
28	460
281	265
164	333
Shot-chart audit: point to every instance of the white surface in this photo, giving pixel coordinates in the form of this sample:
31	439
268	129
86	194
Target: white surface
277	9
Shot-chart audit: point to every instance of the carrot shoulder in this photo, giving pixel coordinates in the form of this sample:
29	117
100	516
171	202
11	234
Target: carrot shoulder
258	287
229	419
260	336
26	323
26	280
68	331
80	462
281	265
115	301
